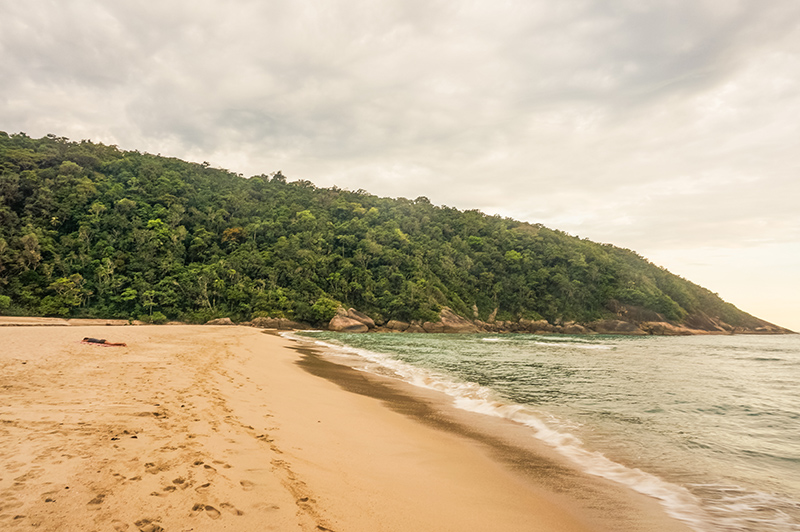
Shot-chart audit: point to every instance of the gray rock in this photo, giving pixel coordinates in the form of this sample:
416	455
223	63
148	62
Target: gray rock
453	323
433	327
615	327
574	328
344	324
396	325
353	314
537	326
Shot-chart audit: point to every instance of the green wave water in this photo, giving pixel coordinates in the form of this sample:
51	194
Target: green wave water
709	425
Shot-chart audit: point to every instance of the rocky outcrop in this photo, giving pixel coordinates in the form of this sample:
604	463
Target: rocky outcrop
631	320
282	324
615	327
767	329
351	321
535	326
433	327
663	328
699	322
396	326
762	328
451	323
342	322
574	328
353	314
348	325
415	327
703	322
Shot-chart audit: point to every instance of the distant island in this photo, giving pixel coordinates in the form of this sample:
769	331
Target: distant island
92	231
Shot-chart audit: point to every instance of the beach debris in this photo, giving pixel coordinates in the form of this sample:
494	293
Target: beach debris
103	342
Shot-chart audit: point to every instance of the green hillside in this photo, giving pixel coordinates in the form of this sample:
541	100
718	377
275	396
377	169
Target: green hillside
88	230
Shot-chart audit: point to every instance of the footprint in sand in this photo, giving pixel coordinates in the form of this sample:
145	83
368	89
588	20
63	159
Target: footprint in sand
212	512
146	525
119	526
223	464
247	485
231	508
263	506
203	487
98	499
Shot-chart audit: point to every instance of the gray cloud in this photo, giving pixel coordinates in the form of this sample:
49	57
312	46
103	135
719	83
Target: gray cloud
655	126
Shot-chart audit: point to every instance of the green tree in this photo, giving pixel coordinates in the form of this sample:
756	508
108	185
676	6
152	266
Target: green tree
67	294
148	234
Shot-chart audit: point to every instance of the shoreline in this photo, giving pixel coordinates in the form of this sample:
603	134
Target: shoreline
606	504
209	428
652	328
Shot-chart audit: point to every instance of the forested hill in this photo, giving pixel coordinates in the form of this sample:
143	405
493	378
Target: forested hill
88	230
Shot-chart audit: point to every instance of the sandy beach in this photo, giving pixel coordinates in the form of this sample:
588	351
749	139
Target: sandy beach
194	428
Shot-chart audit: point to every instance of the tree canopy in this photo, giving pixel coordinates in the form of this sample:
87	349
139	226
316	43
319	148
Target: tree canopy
93	231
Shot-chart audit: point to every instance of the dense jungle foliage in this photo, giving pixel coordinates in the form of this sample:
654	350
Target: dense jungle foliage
90	230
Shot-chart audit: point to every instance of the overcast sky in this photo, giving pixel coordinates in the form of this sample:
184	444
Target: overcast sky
671	127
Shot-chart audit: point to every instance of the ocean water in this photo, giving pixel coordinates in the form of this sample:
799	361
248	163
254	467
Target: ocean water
709	425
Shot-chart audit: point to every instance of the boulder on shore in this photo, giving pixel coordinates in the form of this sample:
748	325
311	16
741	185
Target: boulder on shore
341	323
353	314
433	327
415	327
531	326
615	327
574	328
397	325
663	328
453	323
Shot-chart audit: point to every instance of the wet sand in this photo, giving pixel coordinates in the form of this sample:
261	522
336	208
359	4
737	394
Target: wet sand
194	428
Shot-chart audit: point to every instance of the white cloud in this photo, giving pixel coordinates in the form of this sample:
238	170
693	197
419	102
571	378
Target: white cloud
655	126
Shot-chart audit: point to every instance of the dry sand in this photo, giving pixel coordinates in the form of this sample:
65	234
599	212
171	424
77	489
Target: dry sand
193	428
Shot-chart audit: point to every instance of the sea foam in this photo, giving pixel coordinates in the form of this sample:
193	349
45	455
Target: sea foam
677	501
